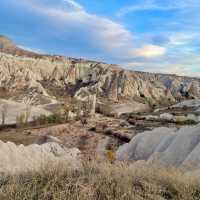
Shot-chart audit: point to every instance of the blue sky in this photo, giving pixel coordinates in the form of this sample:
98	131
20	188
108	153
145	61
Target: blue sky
147	35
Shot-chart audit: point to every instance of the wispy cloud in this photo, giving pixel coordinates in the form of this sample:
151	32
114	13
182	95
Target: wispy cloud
159	5
180	64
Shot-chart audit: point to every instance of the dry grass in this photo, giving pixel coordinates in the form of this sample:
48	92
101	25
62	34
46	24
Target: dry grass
100	181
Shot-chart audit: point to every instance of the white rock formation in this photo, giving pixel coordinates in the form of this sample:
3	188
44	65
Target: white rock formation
167	116
188	103
29	75
17	159
193	117
11	110
151	117
174	118
166	147
120	109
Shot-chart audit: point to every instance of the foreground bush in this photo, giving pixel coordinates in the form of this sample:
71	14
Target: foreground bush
100	181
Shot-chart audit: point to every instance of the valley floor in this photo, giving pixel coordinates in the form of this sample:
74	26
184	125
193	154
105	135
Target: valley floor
101	176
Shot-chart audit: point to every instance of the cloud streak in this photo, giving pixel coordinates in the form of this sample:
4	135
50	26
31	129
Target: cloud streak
159	5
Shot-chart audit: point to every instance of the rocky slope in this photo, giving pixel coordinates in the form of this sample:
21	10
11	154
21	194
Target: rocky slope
165	146
7	46
44	78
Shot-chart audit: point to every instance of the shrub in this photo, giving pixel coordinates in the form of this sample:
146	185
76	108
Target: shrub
55	118
21	120
51	119
110	155
186	122
65	110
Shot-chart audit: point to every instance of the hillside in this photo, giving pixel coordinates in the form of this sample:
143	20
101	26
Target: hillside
7	46
25	74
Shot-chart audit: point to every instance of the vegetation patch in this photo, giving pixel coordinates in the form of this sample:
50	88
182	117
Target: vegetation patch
100	181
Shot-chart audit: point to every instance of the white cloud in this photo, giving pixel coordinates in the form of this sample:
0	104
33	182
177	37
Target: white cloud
39	51
149	51
106	35
74	5
185	64
182	38
166	68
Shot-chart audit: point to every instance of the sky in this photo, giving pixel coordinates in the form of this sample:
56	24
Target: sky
160	36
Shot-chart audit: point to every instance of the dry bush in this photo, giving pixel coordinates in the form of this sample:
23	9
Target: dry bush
100	181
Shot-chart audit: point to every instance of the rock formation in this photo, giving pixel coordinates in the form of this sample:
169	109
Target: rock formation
188	104
11	110
44	77
18	159
166	147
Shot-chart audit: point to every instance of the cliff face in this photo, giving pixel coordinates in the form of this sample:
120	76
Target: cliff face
30	75
47	76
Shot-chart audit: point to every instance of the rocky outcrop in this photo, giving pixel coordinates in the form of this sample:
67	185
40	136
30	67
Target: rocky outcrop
17	159
166	147
45	76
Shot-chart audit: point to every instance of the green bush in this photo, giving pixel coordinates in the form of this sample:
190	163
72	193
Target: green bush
186	122
51	119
